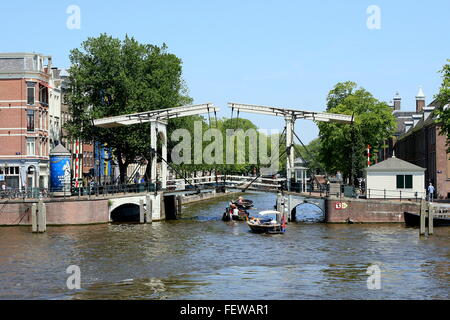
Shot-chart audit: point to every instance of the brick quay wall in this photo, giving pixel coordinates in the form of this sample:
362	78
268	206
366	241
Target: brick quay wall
368	211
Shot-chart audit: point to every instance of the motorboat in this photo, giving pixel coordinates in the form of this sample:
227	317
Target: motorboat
272	222
228	215
238	210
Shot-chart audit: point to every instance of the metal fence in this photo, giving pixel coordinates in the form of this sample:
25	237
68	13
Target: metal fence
92	190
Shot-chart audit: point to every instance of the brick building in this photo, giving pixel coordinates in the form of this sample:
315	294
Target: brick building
417	140
422	144
24	119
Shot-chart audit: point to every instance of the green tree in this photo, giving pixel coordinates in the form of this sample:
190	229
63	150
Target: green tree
110	77
443	107
311	154
343	145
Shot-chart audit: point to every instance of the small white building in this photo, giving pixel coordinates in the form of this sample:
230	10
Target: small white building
300	174
394	179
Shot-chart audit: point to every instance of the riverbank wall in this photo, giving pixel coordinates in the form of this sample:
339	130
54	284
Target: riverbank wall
81	210
59	212
345	210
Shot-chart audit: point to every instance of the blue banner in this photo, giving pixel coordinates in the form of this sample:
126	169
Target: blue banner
60	173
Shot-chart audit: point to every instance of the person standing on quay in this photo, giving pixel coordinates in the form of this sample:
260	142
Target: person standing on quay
430	192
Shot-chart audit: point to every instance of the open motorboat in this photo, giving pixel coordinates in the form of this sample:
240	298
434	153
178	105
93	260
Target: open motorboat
230	214
272	223
238	210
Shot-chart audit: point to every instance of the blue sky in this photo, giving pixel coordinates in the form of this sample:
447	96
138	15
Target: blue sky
279	53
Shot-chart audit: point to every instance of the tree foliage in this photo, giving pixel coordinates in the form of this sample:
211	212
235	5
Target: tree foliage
443	107
373	124
110	77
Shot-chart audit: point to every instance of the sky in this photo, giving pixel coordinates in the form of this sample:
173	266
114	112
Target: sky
286	54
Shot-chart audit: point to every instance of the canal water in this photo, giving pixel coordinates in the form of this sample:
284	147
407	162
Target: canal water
201	257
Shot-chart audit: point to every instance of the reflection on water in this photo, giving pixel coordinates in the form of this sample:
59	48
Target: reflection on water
201	257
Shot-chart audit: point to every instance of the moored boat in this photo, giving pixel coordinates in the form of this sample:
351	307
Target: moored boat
269	225
413	219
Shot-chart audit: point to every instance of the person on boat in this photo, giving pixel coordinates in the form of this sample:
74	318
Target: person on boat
234	210
283	224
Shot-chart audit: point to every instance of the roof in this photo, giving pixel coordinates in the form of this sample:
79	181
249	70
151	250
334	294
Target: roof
59	149
420	124
395	165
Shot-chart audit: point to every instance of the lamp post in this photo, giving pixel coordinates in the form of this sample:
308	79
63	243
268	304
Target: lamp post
97	164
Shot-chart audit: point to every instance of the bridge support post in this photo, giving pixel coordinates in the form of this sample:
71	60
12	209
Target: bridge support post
290	150
163	130
153	145
148	212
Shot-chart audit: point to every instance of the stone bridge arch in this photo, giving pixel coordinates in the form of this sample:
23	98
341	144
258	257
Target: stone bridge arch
288	203
132	203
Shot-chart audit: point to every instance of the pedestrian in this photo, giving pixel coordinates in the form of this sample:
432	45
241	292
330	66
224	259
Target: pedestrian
430	192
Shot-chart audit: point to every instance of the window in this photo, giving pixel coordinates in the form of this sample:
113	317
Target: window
30	120
43	94
30	93
404	181
30	146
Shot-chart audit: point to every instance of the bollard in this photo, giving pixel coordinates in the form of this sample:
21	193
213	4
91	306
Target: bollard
141	211
148	212
41	217
422	219
34	227
430	219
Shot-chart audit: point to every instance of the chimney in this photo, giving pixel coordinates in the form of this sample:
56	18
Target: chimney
427	112
408	125
397	101
420	100
416	118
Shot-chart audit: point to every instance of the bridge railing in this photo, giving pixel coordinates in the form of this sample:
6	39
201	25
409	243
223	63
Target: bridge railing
226	180
91	190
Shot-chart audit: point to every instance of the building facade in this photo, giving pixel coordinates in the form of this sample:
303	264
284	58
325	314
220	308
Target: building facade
24	119
423	145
